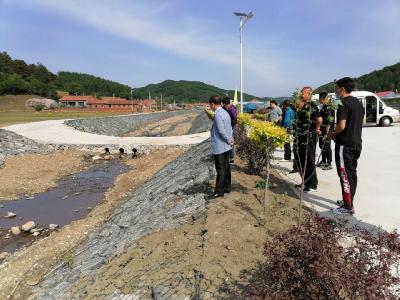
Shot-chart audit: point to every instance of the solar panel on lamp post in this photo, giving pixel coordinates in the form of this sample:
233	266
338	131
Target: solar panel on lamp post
243	19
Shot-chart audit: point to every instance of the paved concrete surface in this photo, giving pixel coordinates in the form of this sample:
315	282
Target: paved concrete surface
377	200
56	132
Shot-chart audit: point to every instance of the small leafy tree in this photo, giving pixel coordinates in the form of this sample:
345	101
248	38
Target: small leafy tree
258	140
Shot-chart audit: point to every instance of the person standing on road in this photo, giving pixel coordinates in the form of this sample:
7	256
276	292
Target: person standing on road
287	122
348	143
328	116
308	128
231	109
275	115
221	144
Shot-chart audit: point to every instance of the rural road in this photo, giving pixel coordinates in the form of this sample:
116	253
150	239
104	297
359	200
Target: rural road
56	132
377	200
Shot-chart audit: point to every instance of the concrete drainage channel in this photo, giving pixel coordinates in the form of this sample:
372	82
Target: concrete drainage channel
118	126
171	198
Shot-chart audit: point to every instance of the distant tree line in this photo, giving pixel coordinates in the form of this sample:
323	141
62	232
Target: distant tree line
18	77
386	79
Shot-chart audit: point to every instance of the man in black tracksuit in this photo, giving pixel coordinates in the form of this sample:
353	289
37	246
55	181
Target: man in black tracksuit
347	136
328	116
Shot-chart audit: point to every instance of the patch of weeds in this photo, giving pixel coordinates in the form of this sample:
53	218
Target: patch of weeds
69	260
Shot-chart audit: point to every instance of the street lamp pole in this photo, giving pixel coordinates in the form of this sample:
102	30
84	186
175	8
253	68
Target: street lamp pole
241	64
243	19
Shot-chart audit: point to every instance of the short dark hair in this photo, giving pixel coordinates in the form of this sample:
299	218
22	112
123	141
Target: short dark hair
286	103
273	101
323	95
226	100
215	100
347	83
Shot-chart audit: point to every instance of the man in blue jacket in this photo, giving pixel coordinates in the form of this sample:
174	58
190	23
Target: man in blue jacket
287	122
221	144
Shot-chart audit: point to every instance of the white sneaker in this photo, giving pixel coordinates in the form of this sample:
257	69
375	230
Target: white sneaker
309	190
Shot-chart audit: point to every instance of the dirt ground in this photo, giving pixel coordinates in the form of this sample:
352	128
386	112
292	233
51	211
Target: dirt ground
27	267
14	111
173	126
32	173
221	241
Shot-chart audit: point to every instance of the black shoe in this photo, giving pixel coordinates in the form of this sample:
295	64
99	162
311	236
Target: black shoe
327	167
321	165
215	195
227	191
340	203
298	186
293	171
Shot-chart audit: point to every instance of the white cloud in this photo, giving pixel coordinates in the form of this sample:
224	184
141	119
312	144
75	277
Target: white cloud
190	36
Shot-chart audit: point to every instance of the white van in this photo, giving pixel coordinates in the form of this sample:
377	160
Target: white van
376	111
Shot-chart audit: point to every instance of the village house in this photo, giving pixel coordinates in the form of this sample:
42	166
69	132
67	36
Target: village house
107	103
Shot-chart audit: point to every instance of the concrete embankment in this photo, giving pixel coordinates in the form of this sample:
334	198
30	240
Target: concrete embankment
14	144
171	198
118	126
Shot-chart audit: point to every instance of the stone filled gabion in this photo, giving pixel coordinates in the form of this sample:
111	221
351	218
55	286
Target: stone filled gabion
14	144
120	125
182	183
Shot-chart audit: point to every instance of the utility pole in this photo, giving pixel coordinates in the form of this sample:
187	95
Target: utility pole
161	102
243	19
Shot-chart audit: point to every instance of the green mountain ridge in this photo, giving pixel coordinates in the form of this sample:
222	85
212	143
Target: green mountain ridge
18	77
386	79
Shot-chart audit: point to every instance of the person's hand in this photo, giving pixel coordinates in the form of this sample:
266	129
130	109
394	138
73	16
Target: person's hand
318	130
231	142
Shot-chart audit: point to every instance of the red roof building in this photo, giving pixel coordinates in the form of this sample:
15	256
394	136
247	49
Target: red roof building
108	103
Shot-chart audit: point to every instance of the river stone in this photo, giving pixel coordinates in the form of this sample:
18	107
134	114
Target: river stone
36	233
3	255
10	215
28	226
53	226
15	230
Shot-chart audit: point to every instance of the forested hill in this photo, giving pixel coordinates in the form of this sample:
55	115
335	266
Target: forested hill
386	79
18	77
182	90
79	83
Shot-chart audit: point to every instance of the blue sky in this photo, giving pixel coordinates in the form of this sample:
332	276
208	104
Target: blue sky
288	44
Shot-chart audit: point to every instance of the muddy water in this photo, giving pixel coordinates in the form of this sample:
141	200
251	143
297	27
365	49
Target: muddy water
72	199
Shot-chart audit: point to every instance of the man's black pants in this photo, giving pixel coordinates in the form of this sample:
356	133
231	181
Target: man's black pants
346	158
310	178
326	149
223	183
288	151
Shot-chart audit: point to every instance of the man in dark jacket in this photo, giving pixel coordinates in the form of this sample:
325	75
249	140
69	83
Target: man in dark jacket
231	109
288	116
327	114
347	137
